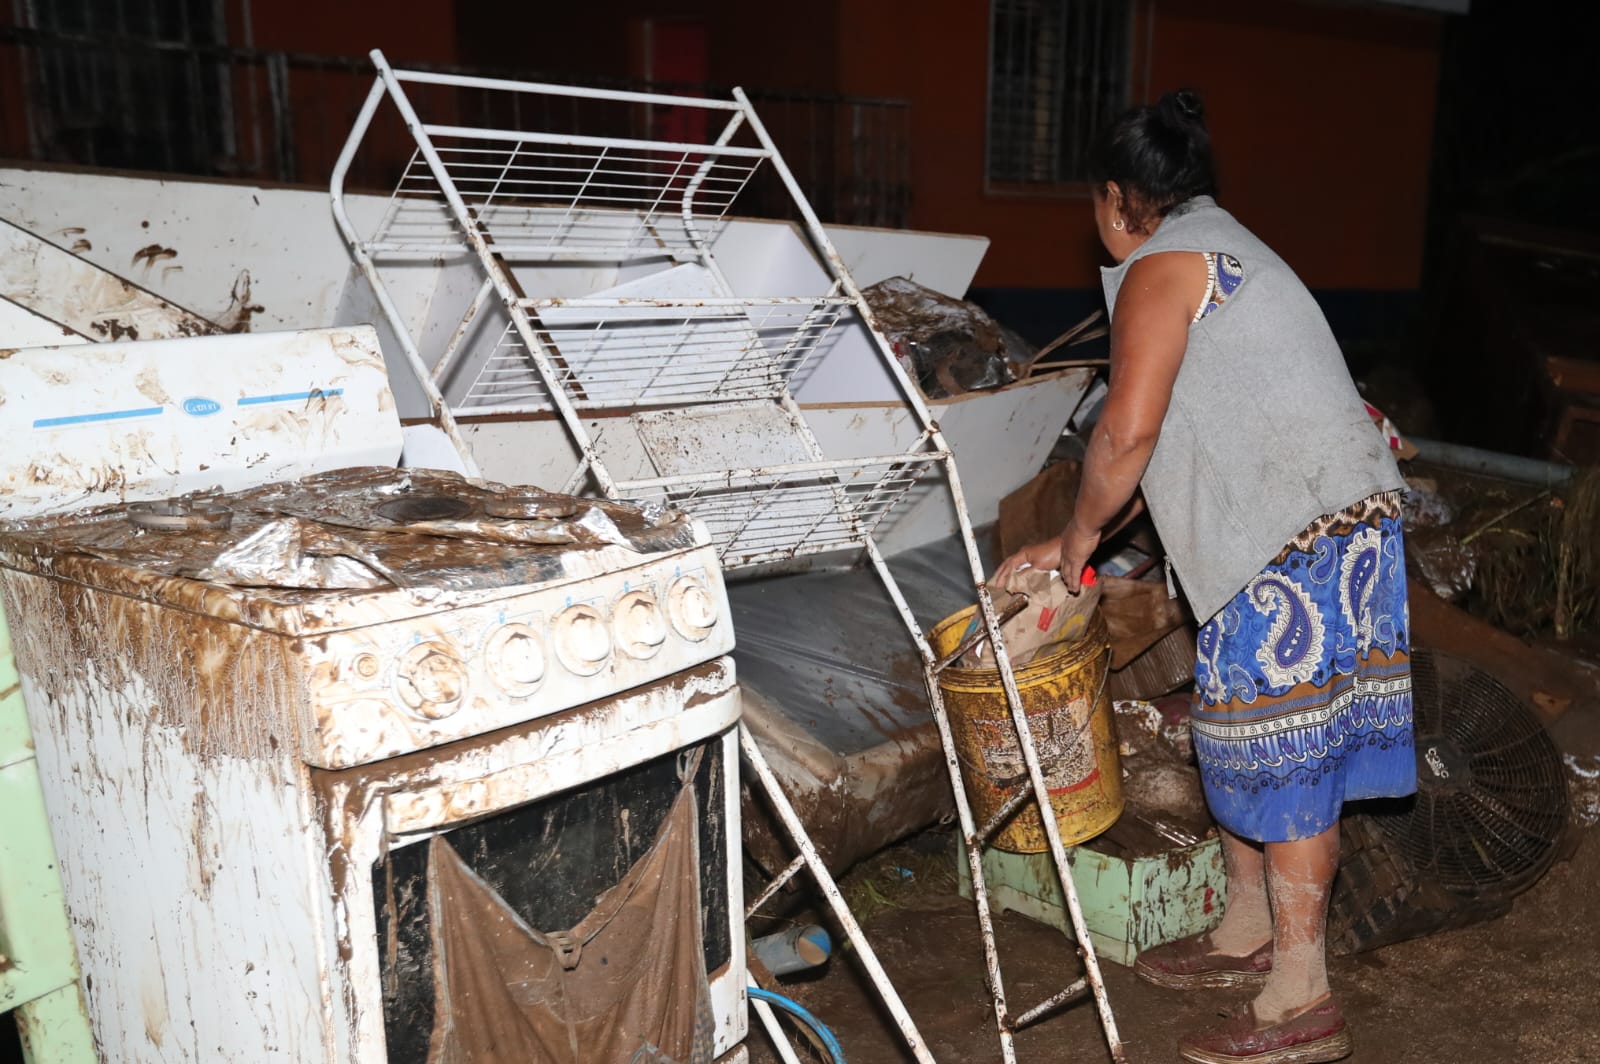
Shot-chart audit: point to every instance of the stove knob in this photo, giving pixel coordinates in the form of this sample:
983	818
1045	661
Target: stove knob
581	640
431	680
692	607
639	625
515	659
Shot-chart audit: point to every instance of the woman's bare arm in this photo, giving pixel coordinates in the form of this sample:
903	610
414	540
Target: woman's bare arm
1149	334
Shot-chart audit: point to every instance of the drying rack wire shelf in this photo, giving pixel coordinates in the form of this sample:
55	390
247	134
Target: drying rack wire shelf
619	200
778	513
700	372
607	353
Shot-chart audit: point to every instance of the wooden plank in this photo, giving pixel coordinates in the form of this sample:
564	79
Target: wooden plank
1548	680
1573	374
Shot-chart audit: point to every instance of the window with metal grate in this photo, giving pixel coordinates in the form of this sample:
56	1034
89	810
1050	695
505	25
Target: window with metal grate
1059	70
140	84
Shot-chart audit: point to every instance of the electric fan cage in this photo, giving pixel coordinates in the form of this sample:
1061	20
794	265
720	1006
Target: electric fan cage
1491	802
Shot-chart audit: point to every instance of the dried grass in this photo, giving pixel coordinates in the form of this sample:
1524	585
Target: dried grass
1541	575
1577	556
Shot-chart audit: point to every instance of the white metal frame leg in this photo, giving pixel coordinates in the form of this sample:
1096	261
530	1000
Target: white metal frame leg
830	890
977	838
1007	1023
780	1041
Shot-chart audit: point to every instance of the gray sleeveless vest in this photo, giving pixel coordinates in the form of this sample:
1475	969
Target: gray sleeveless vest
1265	432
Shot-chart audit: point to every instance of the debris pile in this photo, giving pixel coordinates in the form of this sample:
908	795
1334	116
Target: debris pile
1524	558
1165	806
948	346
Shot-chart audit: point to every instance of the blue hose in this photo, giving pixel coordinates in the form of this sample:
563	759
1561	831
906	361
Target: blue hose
828	1040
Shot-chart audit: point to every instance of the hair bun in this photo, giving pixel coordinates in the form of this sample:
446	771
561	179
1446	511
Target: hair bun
1183	107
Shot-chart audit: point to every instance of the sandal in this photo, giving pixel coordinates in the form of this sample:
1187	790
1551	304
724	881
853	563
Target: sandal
1315	1036
1193	963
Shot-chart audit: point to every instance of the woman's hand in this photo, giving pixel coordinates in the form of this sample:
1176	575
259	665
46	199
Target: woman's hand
1068	552
1077	547
1043	555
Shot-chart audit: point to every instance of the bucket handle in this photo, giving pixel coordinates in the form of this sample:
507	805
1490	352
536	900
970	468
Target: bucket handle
1105	678
1014	607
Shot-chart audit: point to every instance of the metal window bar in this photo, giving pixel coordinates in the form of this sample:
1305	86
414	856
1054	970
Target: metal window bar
1059	70
85	97
755	514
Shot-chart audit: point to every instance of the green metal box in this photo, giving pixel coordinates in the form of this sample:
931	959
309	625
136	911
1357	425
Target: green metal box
38	964
1129	903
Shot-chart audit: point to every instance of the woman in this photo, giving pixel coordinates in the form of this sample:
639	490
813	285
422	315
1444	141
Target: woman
1278	505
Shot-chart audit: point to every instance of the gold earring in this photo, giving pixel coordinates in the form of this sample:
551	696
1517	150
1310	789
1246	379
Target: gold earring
1117	225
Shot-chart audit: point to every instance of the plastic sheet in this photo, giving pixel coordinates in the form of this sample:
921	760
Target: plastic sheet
1423	505
364	528
294	553
1439	557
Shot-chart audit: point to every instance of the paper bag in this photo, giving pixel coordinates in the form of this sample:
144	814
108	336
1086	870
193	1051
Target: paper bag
1053	616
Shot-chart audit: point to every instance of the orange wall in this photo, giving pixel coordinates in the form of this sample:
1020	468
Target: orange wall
1323	133
1322	117
775	45
418	31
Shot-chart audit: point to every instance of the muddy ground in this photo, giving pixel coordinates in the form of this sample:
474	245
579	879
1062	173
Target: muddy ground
1523	988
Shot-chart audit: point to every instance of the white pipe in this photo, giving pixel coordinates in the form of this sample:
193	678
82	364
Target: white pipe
780	1041
546	89
573	140
1492	463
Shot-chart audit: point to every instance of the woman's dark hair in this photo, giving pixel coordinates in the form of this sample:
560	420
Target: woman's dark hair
1159	155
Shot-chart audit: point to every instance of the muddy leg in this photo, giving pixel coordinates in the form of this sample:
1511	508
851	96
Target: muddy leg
1247	921
1299	879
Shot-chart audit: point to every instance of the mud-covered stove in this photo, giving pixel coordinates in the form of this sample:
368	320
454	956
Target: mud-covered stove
370	764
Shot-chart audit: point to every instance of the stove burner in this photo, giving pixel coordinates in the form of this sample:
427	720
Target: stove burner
180	515
531	507
414	509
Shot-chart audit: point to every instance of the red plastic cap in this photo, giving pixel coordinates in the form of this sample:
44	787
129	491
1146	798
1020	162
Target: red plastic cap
1088	576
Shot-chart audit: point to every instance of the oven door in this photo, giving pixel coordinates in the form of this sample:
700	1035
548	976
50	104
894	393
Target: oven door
546	818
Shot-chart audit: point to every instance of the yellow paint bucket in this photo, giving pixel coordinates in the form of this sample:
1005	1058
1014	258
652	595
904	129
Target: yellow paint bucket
1069	713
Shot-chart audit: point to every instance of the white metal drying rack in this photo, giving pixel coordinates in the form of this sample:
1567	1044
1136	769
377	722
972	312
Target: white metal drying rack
682	357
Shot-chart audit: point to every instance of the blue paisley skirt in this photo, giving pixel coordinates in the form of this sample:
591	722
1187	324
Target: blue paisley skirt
1303	681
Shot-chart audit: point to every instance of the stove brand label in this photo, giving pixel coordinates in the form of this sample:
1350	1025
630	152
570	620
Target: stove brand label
199	406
